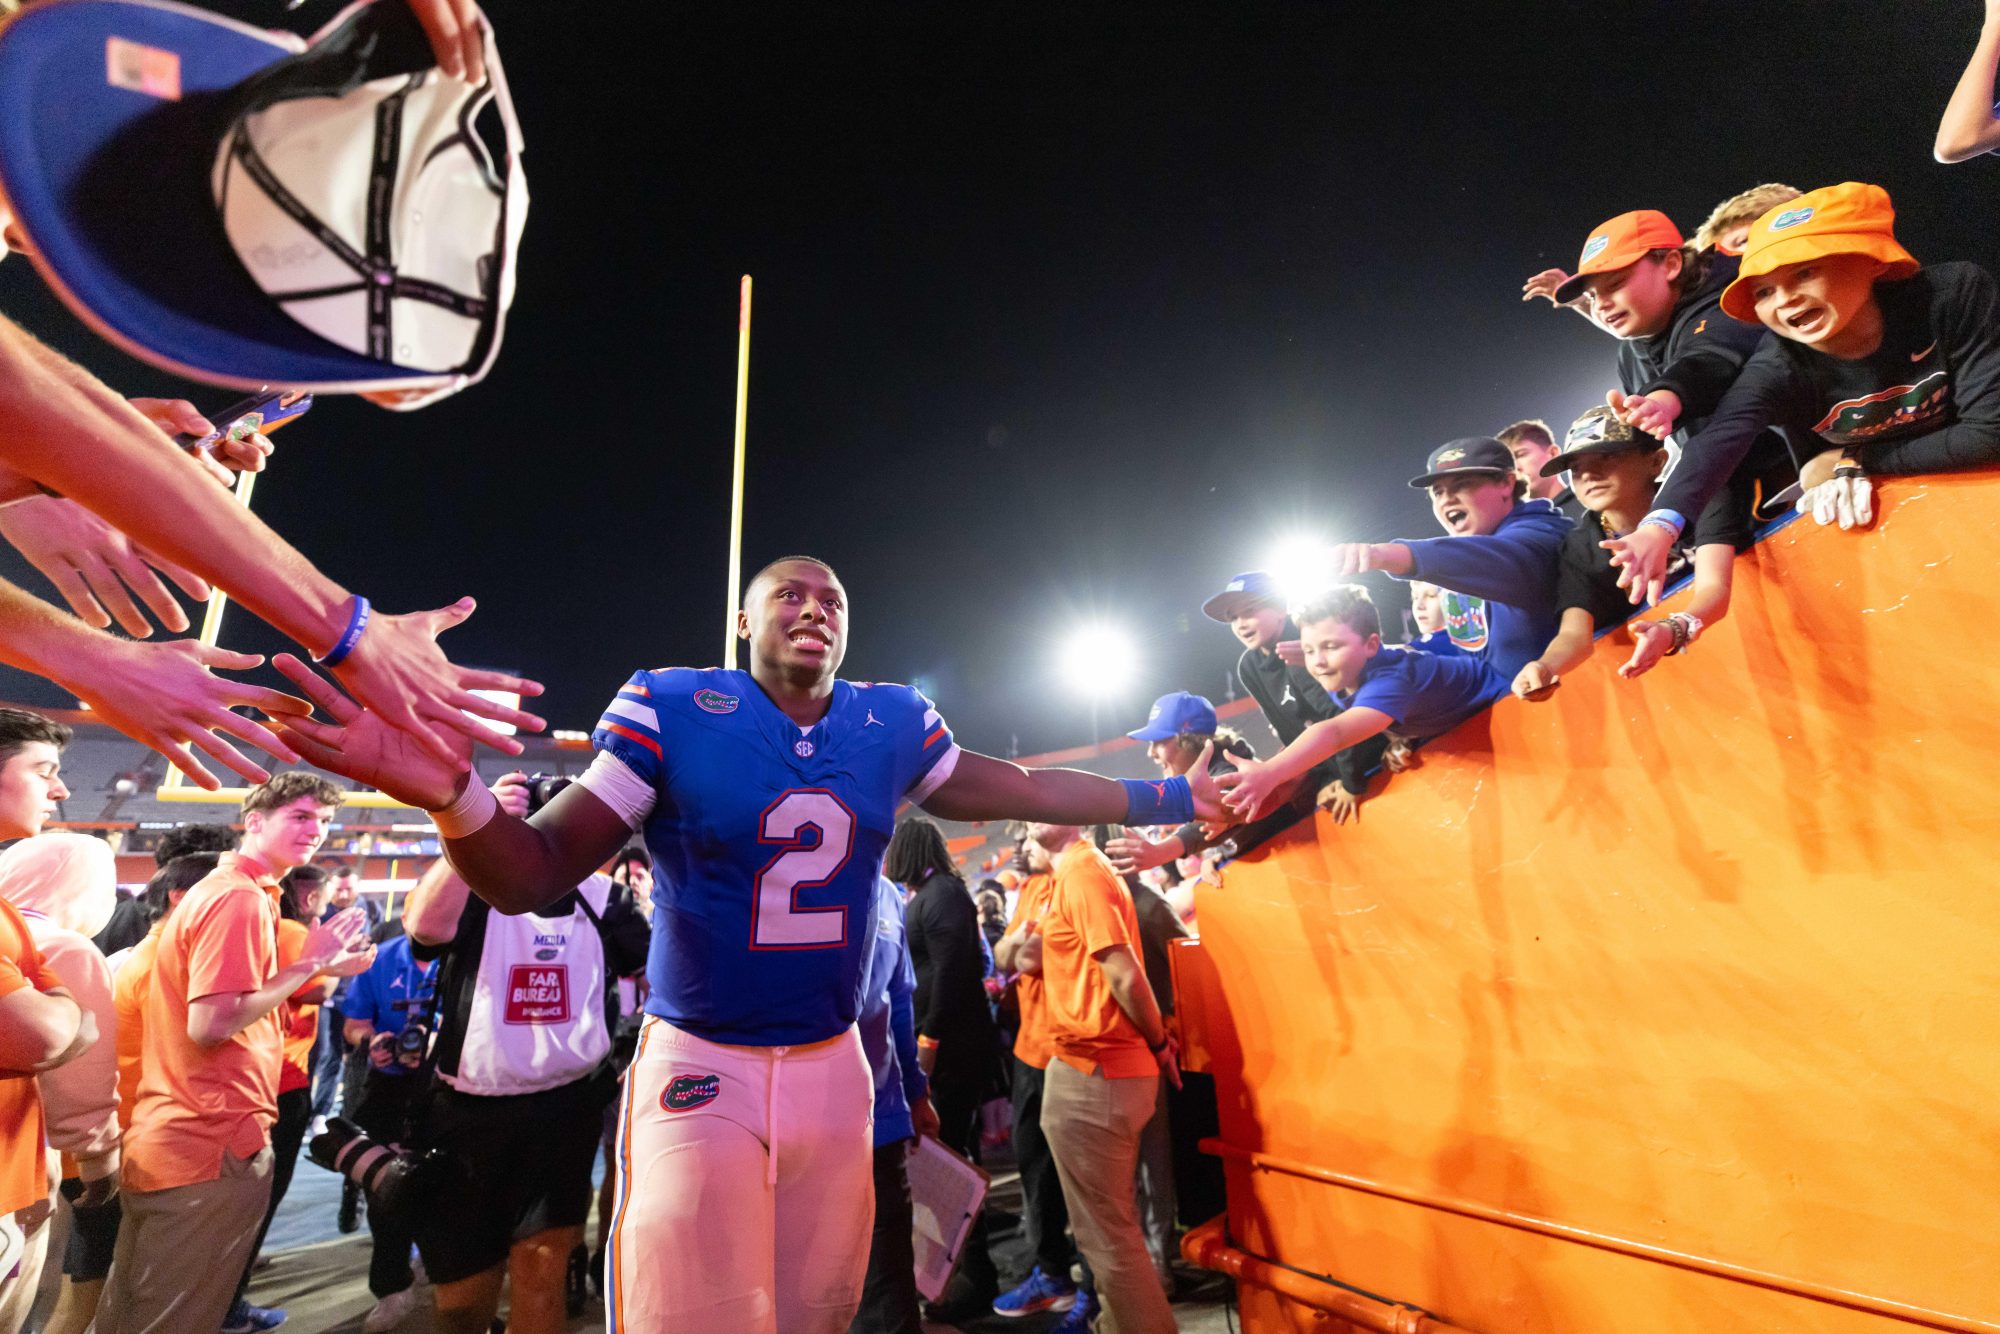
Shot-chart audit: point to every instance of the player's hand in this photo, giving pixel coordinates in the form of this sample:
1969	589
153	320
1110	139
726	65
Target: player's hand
1338	802
1132	853
1650	642
358	744
1209	807
1640	557
398	671
91	564
511	791
1535	682
1653	413
924	1118
457	37
166	696
1291	652
1544	285
1252	791
1169	1058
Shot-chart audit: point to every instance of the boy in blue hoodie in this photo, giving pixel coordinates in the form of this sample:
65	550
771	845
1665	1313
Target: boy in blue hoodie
1500	557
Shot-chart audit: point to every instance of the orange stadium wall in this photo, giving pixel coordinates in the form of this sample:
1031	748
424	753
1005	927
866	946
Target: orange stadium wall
1662	1006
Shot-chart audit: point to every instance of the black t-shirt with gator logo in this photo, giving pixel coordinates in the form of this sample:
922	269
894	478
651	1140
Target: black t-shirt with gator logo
1927	400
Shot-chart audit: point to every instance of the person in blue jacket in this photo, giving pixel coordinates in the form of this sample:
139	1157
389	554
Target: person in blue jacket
888	1025
1500	555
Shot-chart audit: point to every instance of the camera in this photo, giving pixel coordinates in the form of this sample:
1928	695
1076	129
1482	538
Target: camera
397	1183
542	789
413	1045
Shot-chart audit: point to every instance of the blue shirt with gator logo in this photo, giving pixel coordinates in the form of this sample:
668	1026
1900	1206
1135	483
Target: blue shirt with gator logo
766	842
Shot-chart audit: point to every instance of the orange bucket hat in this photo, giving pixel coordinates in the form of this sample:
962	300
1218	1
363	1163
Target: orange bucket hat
1625	239
1845	219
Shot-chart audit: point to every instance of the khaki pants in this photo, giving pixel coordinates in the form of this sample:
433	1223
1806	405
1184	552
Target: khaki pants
181	1251
1093	1126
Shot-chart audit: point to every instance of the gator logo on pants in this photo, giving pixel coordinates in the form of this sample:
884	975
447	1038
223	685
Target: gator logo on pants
687	1092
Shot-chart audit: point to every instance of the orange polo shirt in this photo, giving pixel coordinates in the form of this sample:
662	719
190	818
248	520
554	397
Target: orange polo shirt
24	1173
1031	1041
300	1018
129	989
1089	909
197	1102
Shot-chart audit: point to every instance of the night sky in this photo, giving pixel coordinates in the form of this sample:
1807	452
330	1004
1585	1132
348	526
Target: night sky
1064	312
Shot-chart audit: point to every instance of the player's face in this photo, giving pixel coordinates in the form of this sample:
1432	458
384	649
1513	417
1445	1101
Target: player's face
1258	625
797	620
30	786
1427	606
1817	301
1620	480
1335	654
1637	300
1472	503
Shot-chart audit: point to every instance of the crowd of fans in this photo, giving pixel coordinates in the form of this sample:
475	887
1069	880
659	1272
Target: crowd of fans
165	1059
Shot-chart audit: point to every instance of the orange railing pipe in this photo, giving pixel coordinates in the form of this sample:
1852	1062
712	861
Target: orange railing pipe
1208	1246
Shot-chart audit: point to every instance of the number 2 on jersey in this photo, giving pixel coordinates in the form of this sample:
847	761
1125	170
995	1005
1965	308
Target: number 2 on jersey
777	921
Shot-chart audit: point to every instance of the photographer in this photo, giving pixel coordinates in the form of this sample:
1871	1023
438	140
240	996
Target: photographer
387	1014
523	1076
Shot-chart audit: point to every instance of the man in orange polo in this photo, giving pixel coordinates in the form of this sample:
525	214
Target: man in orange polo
1111	1048
198	1155
1047	1286
41	1025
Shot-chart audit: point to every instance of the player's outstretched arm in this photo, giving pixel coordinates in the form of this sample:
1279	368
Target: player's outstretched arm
983	788
60	426
516	865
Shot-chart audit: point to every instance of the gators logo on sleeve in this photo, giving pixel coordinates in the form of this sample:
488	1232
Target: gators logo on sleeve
1889	412
1465	621
715	701
687	1092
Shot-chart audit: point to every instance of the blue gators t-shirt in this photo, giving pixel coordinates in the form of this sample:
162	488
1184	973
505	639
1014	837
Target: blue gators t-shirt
766	843
1426	694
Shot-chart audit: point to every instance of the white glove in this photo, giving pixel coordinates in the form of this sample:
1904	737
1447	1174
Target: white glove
1848	499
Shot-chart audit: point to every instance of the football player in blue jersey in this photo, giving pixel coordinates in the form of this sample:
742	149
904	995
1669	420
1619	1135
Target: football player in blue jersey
766	798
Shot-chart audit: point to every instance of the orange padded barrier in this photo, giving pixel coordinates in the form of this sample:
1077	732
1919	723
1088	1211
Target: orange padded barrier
1665	1005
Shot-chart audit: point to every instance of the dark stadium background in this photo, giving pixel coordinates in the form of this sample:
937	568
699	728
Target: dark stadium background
1063	311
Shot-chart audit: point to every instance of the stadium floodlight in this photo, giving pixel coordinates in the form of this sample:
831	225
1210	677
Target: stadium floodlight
510	698
1302	567
1097	661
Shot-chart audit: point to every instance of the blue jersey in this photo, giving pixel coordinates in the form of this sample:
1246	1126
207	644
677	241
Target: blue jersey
766	842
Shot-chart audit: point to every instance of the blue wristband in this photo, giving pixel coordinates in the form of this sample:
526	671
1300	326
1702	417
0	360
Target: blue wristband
1670	520
357	621
1150	802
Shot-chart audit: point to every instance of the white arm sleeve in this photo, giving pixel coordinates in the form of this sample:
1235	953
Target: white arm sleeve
631	796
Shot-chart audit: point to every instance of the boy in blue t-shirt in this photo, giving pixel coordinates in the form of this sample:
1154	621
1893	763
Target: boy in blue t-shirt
1418	694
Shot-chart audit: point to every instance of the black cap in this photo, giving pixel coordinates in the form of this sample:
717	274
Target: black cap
1475	453
1597	431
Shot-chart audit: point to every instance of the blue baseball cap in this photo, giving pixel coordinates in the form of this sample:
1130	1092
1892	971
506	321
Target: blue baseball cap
1176	714
194	189
1249	587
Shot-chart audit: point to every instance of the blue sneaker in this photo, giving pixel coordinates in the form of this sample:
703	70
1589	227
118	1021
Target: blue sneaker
1082	1316
1036	1293
243	1318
